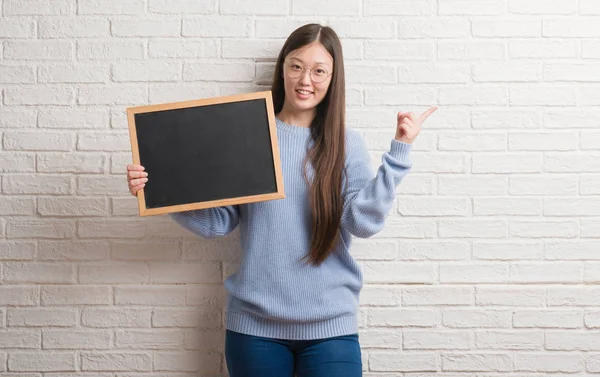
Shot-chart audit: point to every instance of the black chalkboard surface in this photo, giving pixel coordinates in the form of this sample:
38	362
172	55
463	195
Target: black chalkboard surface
206	153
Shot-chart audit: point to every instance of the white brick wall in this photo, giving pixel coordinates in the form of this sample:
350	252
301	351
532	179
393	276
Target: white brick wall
490	260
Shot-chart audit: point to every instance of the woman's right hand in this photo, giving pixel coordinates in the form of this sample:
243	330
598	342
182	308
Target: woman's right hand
136	178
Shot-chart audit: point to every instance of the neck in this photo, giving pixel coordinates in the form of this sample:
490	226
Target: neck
296	118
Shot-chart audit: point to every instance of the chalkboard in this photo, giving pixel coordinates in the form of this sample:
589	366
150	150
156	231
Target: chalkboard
206	153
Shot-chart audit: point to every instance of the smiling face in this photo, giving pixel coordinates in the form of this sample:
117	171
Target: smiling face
302	93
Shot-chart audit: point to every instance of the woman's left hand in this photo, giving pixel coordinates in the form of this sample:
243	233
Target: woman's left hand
409	126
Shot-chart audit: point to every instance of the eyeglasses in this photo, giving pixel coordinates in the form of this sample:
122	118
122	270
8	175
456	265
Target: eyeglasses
318	74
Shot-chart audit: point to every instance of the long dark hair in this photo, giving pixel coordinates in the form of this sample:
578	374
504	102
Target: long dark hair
327	155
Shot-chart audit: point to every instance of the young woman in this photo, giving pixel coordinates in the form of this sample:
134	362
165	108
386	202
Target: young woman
292	306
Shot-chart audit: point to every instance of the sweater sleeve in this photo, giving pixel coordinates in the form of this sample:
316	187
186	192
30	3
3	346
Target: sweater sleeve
368	199
209	222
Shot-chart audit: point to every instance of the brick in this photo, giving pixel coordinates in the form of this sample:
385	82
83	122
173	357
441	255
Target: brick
509	340
417	184
511	72
407	229
572	250
103	142
436	340
473	141
592	362
577	207
38	141
75	295
592	319
474	273
38	50
437	295
182	48
154	71
113	273
574	296
383	250
71	163
118	95
401	8
536	185
543	49
187	362
37	7
510	296
331	8
181	6
39	96
399	272
392	317
18	118
76	339
19	250
42	361
161	93
110	228
222	26
73	73
17	28
17	162
204	340
73	250
548	362
542	141
243	48
580	27
439	163
73	119
572	162
207	318
502	250
109	50
409	362
17	75
473	96
146	250
398	50
507	163
542	7
188	272
442	27
40	317
118	318
546	272
40	228
472	185
502	119
21	339
218	72
471	50
153	340
590	49
565	319
524	28
589	140
473	228
476	362
465	7
381	338
571	72
116	362
548	228
591	273
36	273
151	295
263	7
139	27
395	95
21	296
73	28
205	295
507	206
476	318
433	250
88	185
130	7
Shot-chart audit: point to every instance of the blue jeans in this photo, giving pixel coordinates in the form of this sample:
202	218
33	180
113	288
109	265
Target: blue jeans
253	356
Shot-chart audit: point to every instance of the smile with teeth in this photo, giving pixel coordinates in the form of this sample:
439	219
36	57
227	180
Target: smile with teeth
303	91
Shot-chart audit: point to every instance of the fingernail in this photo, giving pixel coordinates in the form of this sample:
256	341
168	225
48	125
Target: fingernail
145	179
145	174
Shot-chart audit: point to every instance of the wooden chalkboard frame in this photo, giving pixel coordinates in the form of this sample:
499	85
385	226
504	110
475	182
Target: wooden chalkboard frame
266	96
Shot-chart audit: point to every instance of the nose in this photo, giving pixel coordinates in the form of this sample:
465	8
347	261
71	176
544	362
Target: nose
305	77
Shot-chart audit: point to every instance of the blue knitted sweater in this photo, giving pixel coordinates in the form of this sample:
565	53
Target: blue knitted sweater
274	294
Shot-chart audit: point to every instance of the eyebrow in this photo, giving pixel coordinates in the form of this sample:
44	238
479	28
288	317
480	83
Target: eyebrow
322	63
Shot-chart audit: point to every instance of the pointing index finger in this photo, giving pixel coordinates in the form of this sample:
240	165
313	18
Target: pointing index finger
427	113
